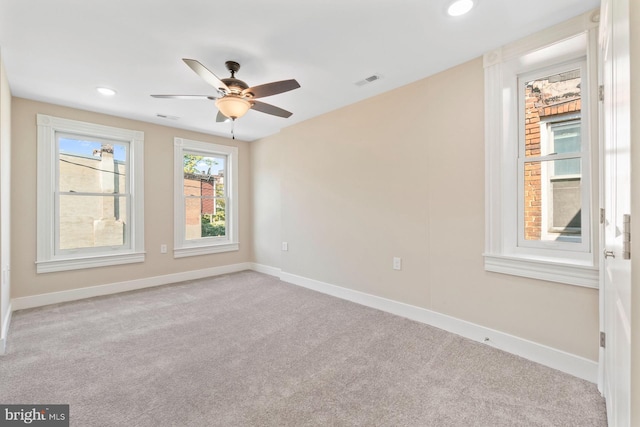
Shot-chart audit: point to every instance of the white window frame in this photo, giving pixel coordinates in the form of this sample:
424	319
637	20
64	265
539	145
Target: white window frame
48	258
207	245
568	42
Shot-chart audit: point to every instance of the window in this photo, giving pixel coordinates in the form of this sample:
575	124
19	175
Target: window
550	160
90	195
540	118
206	199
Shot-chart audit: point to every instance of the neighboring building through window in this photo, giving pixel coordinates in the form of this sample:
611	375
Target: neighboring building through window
205	195
552	158
90	195
206	199
540	134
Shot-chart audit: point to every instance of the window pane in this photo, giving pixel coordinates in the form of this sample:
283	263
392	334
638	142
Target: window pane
214	222
552	202
566	137
193	185
567	167
565	206
205	217
550	99
202	174
92	221
204	188
91	166
193	218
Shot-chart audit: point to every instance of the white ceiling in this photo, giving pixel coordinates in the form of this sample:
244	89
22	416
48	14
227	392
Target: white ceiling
60	51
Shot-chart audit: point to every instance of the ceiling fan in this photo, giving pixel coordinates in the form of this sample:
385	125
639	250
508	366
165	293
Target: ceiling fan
235	97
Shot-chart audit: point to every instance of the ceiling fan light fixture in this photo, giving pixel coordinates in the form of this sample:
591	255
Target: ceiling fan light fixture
233	106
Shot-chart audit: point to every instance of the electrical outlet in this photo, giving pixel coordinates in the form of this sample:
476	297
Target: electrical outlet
163	249
285	246
397	263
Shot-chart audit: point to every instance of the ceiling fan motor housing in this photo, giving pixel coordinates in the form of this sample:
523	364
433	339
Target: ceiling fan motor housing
236	85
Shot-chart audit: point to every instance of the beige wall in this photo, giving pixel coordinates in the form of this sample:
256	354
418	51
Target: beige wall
267	200
158	160
5	200
402	174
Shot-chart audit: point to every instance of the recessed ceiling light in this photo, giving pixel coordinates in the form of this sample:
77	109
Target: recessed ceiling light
460	7
106	91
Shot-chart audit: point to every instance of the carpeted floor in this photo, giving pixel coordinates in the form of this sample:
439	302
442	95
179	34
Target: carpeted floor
246	349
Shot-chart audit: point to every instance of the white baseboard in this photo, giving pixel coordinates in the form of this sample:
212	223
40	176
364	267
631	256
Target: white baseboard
129	285
557	359
5	331
261	268
548	356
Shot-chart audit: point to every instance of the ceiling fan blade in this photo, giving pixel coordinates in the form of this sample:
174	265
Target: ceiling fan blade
185	96
221	118
274	88
206	75
263	107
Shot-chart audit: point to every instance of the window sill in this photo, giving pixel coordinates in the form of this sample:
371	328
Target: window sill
571	274
52	266
205	250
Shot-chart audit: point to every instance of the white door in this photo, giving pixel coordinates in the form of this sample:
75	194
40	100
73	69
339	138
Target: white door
614	37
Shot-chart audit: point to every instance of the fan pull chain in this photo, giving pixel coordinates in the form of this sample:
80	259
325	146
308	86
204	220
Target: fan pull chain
233	125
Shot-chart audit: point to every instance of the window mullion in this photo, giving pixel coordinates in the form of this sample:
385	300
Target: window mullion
551	157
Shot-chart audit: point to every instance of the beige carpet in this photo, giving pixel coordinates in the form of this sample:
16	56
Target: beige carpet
249	350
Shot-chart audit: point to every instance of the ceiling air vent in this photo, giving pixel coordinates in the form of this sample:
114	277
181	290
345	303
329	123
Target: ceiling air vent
369	79
165	116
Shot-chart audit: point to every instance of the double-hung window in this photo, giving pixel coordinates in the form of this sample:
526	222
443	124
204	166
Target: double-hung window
90	201
206	198
555	200
540	134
